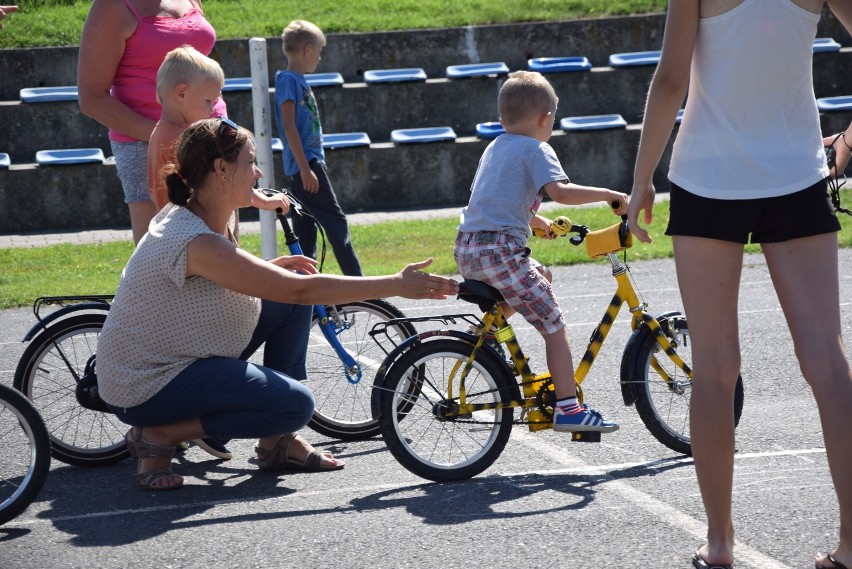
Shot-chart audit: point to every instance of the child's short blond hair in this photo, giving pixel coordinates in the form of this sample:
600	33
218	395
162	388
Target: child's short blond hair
523	95
300	33
185	65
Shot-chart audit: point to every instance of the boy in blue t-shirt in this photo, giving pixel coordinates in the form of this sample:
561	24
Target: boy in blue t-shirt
515	172
299	128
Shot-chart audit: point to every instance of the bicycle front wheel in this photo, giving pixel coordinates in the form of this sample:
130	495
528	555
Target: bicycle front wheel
25	455
417	417
663	389
342	398
48	373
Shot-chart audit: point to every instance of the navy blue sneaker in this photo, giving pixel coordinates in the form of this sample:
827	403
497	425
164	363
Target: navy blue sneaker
214	447
584	420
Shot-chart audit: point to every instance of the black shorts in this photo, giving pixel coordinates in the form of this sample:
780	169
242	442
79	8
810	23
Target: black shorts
765	220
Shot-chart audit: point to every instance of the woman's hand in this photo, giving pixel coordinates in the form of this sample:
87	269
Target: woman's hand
277	202
642	199
842	151
297	264
416	284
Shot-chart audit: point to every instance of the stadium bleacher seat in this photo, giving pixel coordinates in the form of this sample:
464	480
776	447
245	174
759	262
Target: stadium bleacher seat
634	58
4	160
679	117
394	75
277	145
559	64
428	134
489	129
477	70
825	45
324	79
237	84
345	139
69	156
594	122
48	94
829	104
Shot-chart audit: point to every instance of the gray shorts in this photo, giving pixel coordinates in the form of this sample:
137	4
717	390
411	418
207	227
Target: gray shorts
131	162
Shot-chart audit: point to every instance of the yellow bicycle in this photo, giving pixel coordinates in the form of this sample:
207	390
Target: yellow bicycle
446	400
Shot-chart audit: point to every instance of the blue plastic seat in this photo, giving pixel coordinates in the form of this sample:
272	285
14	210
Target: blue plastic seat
48	94
4	160
477	70
829	104
593	122
634	58
345	139
237	84
559	64
428	134
324	79
489	129
825	45
679	117
69	156
394	75
277	145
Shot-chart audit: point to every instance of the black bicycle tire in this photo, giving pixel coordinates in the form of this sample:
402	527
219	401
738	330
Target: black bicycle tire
39	465
24	382
389	416
645	406
354	431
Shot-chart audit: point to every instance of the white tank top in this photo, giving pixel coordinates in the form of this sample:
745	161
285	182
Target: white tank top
751	125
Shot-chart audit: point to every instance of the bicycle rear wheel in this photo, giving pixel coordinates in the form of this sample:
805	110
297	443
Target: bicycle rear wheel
48	373
663	390
414	418
342	401
24	456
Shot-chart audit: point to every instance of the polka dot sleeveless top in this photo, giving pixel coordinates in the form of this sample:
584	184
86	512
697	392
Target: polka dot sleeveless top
161	321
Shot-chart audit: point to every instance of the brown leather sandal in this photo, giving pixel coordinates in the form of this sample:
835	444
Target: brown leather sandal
140	448
277	458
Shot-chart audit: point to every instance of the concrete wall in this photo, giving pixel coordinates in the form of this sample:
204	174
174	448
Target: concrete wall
383	176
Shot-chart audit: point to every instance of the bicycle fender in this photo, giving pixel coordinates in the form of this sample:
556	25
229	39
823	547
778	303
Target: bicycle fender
637	338
61	313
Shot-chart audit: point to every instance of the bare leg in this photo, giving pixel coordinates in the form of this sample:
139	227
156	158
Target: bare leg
141	214
560	363
804	272
708	273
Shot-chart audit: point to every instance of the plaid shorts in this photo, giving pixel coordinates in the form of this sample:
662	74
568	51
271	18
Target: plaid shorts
501	260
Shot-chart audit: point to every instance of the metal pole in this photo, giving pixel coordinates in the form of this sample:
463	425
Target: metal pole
263	141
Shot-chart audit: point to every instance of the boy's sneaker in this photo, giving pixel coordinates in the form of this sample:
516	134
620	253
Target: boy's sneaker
584	420
214	447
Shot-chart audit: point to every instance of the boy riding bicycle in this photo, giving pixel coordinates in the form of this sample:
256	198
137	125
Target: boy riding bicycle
515	172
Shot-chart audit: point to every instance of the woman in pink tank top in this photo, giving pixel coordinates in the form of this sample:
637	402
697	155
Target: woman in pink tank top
121	49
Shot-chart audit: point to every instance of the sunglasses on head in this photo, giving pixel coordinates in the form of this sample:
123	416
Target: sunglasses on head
226	123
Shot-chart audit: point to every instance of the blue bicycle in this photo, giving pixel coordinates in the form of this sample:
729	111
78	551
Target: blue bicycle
57	371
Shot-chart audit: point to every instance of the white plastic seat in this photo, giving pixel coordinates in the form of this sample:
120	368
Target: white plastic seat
592	122
418	135
69	156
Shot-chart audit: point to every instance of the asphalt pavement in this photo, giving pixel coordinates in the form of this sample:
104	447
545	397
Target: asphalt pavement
627	501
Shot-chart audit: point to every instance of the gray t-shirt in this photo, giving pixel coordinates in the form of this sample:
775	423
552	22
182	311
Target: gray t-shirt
506	190
161	321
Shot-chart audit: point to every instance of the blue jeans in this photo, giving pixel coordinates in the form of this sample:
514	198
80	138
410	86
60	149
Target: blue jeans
236	399
324	207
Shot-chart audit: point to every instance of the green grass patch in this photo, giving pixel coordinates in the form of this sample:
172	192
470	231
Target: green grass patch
383	248
41	23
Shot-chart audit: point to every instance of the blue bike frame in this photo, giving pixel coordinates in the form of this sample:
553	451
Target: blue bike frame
330	329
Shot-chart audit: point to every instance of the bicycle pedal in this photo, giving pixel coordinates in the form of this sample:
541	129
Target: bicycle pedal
586	437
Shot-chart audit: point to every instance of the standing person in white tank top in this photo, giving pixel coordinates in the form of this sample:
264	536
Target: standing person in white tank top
748	166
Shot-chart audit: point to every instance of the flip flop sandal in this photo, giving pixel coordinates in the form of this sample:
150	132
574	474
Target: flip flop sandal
140	448
835	564
277	458
699	563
